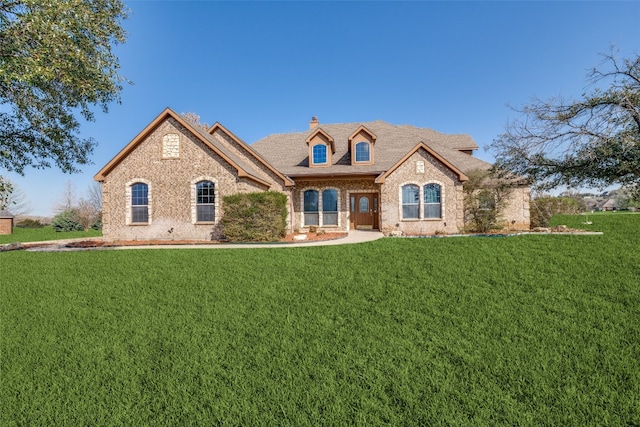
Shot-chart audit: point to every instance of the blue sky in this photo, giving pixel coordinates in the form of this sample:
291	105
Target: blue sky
268	67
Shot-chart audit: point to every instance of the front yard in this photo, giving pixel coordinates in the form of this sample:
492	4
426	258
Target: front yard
527	330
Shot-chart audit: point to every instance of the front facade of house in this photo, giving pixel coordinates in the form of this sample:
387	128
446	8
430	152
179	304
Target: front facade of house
169	181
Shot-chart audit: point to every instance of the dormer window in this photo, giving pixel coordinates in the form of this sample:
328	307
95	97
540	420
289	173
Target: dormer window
363	152
319	144
361	144
319	154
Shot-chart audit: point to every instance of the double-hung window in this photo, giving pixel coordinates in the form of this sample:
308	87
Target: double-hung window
410	201
139	203
330	207
205	201
311	207
432	201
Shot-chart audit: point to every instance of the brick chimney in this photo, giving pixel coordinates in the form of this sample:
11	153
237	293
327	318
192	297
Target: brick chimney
314	122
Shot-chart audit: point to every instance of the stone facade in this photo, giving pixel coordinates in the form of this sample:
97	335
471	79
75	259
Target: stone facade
171	183
420	169
171	156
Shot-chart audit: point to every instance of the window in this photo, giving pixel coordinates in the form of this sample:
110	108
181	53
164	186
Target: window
410	201
140	203
330	207
319	154
432	204
205	201
311	207
363	153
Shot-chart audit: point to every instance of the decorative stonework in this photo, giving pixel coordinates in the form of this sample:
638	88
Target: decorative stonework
171	146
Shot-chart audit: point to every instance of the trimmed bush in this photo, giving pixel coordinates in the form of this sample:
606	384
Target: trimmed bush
68	220
543	208
255	217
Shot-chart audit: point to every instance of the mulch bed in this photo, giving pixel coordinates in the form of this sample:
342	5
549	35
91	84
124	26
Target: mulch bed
289	238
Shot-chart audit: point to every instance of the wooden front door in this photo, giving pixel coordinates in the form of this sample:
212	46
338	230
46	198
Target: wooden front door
364	211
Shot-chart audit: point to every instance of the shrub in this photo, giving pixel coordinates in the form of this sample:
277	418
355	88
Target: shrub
255	217
543	208
68	220
29	223
485	196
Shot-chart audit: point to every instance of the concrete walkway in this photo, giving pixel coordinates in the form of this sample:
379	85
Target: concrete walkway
354	236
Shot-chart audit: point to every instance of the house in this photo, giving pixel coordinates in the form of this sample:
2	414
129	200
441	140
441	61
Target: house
170	180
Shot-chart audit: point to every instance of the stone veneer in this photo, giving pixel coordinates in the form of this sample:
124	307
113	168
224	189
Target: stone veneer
171	182
420	169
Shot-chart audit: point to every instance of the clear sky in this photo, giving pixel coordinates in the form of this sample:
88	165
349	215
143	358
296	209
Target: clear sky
267	67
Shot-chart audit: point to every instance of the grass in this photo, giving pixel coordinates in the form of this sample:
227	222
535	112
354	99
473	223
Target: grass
23	235
529	330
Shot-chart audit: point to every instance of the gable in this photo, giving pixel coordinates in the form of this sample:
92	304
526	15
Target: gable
171	149
422	146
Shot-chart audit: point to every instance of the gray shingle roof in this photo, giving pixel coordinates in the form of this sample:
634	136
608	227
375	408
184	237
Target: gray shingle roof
290	154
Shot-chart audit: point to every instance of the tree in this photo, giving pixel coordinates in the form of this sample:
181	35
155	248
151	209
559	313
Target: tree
194	119
67	200
55	60
594	141
6	188
12	198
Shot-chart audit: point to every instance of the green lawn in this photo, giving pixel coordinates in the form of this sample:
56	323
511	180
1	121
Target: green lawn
527	330
41	234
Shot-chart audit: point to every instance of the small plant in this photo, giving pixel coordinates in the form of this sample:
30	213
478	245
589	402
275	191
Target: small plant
313	229
321	232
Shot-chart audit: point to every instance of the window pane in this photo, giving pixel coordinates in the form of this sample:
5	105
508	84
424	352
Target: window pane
362	152
205	213
410	211
363	205
329	218
432	210
311	201
319	154
311	219
139	194
205	191
432	193
139	214
330	200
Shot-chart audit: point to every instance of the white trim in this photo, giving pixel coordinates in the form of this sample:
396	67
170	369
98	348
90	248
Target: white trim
128	205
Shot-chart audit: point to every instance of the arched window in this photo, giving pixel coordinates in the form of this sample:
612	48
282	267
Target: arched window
432	202
311	207
410	201
319	154
205	201
330	207
139	203
363	152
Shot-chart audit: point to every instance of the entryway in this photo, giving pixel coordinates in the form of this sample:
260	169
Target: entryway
364	211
